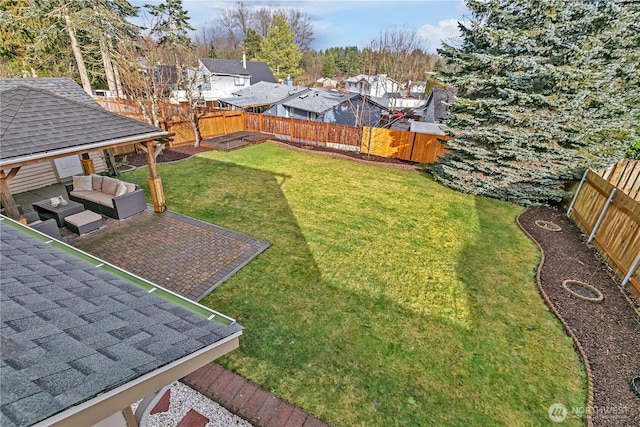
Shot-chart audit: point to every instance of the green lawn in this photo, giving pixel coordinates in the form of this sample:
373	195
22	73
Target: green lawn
385	298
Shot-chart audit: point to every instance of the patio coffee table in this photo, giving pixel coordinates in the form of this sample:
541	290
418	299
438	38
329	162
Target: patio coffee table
45	210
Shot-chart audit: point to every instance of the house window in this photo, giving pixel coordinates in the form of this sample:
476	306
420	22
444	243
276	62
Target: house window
239	81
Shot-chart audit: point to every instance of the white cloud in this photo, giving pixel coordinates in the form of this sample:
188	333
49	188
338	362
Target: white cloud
446	30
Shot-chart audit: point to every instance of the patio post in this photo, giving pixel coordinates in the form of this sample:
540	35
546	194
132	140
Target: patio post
8	203
87	164
155	183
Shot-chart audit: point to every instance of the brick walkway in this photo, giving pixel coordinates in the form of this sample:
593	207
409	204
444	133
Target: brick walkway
247	400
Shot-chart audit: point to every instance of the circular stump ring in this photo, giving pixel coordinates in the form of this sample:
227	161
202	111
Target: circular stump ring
582	290
635	385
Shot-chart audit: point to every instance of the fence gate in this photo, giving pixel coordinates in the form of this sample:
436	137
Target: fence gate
611	219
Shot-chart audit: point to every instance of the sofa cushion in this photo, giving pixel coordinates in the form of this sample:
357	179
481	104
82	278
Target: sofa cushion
82	183
99	197
96	182
122	189
109	185
130	187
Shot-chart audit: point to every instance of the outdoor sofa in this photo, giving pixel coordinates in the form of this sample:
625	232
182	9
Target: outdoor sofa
107	196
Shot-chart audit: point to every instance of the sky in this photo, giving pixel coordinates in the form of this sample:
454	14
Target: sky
348	23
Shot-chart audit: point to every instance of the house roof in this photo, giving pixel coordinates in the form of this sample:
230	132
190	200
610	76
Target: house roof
37	123
371	78
425	127
62	86
259	71
263	93
72	332
318	101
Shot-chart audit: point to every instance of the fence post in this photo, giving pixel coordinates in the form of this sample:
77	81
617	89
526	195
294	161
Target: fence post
602	214
632	270
575	196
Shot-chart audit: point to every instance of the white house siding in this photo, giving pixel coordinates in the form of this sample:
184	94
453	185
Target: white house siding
38	175
33	176
223	86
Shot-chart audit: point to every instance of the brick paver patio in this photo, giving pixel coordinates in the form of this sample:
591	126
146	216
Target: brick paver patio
180	253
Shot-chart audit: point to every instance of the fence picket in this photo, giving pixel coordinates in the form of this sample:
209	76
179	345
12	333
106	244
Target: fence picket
612	219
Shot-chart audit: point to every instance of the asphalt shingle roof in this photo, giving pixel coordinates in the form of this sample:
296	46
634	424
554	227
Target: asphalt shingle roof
34	121
62	86
318	101
71	331
263	93
259	71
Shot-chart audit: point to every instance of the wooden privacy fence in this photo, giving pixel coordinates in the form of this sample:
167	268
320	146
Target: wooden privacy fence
304	131
626	176
413	146
612	220
399	144
212	124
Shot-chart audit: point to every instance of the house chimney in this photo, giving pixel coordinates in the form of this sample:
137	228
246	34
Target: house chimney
244	60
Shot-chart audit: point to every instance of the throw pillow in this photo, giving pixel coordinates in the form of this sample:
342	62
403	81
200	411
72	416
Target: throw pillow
122	190
109	185
82	183
130	187
96	182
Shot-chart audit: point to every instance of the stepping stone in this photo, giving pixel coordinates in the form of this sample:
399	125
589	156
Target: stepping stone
193	419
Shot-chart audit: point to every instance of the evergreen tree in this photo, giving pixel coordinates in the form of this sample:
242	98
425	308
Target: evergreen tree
328	67
172	23
252	43
536	99
279	49
212	52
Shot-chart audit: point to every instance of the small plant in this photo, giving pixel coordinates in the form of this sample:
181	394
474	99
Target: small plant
633	151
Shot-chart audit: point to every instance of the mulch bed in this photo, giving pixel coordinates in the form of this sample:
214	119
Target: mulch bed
607	332
168	155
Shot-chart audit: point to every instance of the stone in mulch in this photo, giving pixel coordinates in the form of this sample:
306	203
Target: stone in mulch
608	332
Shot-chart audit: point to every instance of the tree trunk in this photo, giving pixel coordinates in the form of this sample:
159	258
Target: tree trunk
108	67
116	75
82	69
193	119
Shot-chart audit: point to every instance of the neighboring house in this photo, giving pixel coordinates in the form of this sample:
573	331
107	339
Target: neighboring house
435	110
385	91
319	105
375	86
46	118
219	78
165	78
262	97
332	106
416	89
327	83
82	340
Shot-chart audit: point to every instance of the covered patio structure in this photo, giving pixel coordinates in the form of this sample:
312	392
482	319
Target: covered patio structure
45	119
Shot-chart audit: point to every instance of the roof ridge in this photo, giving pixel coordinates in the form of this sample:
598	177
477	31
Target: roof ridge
4	110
